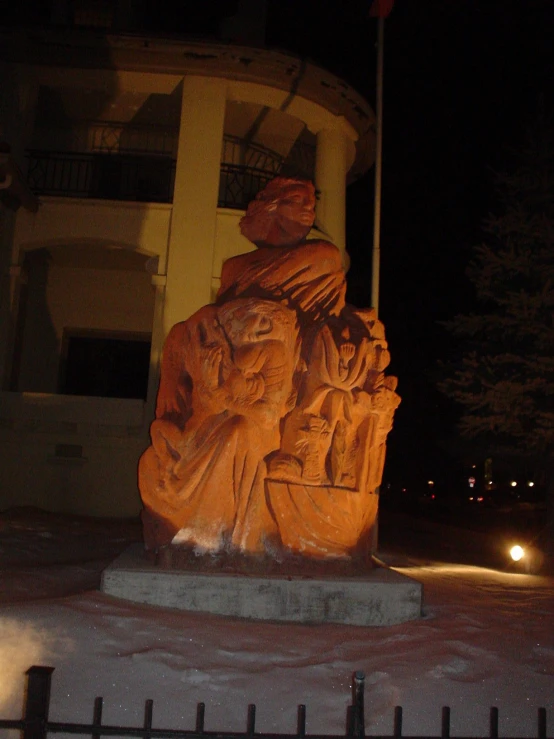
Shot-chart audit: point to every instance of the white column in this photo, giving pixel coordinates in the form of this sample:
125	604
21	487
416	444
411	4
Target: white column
159	283
10	282
193	218
18	97
334	157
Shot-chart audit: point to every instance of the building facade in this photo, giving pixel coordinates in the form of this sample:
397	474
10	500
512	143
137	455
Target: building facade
126	163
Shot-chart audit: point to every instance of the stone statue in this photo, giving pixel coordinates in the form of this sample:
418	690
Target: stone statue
273	407
306	275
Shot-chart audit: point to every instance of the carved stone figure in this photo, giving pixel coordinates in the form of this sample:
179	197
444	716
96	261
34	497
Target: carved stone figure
227	380
273	407
320	435
306	275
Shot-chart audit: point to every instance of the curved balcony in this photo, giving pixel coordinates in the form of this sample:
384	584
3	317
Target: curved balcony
108	169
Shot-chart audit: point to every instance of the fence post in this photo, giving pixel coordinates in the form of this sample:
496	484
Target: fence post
542	723
445	723
301	721
37	702
358	723
397	730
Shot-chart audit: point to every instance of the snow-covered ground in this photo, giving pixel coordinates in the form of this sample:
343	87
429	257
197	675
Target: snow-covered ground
486	639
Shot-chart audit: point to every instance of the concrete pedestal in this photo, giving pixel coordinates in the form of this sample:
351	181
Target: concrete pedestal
382	597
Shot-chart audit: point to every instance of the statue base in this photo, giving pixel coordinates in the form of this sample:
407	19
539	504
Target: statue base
342	593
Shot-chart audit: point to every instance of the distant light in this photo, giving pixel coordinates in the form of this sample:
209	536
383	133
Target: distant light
530	484
471	482
471	497
430	482
433	496
473	466
517	553
480	499
513	484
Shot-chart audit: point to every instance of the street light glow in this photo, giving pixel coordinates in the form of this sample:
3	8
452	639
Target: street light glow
516	553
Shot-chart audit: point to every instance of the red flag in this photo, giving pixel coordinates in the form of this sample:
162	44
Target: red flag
381	8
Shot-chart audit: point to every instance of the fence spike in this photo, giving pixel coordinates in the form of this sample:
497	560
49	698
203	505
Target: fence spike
148	712
97	717
200	711
251	721
493	723
350	720
301	721
542	723
397	729
37	702
445	724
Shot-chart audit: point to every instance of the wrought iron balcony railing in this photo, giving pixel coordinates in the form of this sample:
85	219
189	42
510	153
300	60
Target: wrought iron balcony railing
114	172
104	176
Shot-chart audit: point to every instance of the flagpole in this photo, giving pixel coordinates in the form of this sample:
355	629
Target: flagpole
376	254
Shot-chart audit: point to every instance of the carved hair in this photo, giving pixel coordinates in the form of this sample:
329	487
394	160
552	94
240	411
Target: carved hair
278	184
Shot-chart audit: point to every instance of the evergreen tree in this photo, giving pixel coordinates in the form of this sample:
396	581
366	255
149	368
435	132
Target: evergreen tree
504	378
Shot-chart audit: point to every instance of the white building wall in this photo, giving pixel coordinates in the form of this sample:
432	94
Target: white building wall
102	299
142	227
112	300
71	454
229	242
103	482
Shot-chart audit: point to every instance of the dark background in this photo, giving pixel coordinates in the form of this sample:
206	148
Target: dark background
463	79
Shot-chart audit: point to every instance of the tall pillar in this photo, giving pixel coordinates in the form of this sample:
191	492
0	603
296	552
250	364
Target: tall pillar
10	281
334	157
159	284
193	217
18	97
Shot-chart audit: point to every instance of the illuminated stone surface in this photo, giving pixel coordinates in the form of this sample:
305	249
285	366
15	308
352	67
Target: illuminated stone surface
273	407
381	597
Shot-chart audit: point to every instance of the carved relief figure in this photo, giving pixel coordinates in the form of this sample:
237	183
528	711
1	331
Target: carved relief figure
227	380
321	437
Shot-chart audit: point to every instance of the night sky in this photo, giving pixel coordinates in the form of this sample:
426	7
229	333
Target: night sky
463	78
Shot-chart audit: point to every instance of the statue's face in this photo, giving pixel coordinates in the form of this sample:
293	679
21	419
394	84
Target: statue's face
246	327
280	215
251	320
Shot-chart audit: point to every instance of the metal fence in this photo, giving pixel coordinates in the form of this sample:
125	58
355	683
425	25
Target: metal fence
36	724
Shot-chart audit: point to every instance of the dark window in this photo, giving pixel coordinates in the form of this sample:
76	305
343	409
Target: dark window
105	365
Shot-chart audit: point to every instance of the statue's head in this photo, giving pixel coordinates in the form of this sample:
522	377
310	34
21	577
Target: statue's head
281	214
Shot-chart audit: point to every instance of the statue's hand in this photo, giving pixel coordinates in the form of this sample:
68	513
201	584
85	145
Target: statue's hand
354	372
347	351
211	365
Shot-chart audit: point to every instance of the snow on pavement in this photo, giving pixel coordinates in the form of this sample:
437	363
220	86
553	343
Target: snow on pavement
486	639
